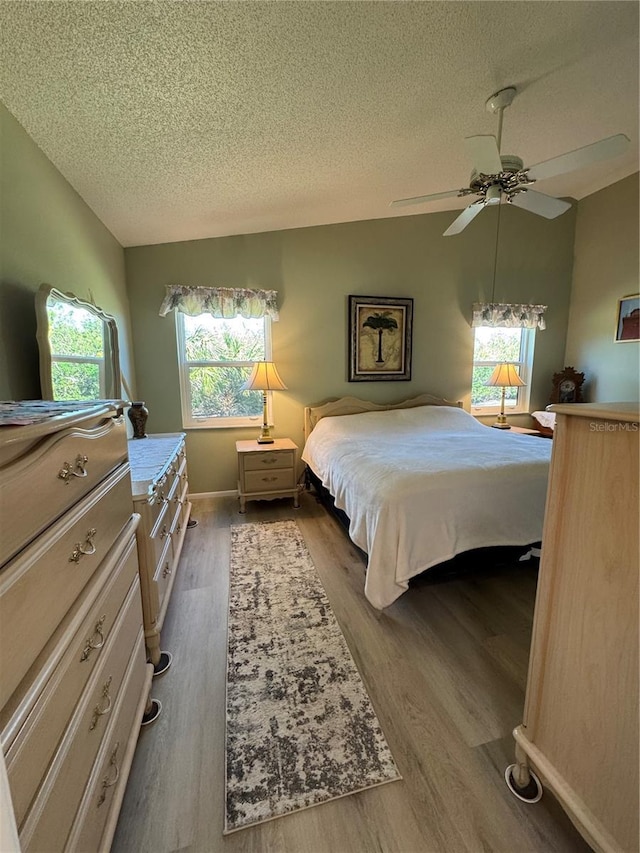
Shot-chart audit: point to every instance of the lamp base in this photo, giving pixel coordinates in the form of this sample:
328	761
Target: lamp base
498	425
262	440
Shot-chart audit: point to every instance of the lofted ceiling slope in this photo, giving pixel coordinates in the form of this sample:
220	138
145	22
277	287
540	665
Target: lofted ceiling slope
185	120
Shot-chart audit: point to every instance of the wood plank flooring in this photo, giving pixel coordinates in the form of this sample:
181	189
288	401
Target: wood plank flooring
445	667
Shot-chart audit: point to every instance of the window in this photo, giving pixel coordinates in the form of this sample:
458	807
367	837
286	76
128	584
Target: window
491	346
215	357
76	340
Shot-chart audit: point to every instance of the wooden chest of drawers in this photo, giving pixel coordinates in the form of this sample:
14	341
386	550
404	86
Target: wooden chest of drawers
73	673
161	498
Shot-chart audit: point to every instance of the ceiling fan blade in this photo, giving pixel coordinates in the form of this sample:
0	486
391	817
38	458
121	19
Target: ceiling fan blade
467	215
419	199
483	153
612	146
543	205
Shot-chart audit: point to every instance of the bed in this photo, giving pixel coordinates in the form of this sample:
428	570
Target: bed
422	481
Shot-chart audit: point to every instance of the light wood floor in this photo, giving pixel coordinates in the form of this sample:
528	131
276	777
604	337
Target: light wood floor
445	667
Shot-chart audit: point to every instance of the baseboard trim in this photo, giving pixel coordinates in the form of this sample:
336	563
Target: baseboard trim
202	496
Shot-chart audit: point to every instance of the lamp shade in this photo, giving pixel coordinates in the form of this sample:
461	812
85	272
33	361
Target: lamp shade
505	376
264	377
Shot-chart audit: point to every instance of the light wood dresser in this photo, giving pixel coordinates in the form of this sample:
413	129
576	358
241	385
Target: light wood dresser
267	471
74	680
580	728
161	497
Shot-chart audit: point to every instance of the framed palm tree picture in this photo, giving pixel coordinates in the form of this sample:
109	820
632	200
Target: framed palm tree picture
379	338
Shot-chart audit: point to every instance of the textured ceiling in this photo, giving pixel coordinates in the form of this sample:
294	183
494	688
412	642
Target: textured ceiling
183	120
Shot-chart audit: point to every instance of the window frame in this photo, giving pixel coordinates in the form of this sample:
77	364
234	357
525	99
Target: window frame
84	359
188	420
525	371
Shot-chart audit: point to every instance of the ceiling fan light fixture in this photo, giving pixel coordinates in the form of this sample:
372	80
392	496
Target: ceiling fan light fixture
495	174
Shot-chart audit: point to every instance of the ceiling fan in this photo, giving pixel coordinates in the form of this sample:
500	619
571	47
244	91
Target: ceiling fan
496	175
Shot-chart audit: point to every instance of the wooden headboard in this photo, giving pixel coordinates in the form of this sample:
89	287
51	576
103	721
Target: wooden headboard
355	406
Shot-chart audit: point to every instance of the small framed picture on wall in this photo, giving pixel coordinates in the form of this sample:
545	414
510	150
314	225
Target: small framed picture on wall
628	319
380	330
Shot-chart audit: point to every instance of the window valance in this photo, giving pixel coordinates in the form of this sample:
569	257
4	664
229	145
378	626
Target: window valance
508	315
227	302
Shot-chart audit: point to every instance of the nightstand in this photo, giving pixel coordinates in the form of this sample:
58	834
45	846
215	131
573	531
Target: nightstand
267	471
524	431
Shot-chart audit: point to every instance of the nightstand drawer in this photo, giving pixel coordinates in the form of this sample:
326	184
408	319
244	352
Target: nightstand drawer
268	459
269	481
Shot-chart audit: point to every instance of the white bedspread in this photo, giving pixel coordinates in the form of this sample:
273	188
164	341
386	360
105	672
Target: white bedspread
422	485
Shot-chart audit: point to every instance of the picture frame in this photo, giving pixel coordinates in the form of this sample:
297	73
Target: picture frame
628	319
380	338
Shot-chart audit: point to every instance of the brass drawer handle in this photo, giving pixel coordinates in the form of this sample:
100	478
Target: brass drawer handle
110	779
85	549
91	646
67	471
165	532
99	711
269	460
269	479
161	497
178	500
178	527
166	571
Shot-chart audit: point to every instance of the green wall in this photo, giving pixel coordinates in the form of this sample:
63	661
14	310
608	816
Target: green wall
314	270
48	234
605	269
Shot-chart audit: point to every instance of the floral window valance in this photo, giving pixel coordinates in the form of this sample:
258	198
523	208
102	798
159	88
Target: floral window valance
511	316
227	302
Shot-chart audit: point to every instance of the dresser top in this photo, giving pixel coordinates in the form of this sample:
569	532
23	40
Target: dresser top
149	459
26	422
626	412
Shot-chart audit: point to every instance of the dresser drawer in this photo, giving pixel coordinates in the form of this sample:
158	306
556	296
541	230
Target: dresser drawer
51	816
40	585
30	752
161	533
269	481
261	461
162	576
109	775
53	476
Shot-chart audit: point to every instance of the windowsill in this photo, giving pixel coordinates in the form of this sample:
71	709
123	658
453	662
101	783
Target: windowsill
237	424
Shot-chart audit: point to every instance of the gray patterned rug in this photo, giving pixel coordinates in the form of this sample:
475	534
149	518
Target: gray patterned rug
301	729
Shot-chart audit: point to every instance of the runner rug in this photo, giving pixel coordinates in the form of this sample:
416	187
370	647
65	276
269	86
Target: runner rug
301	729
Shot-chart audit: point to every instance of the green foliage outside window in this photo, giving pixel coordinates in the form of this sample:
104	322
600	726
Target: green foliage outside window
75	381
493	345
232	345
72	331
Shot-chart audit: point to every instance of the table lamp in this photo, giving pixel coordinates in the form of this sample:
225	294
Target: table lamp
504	376
264	377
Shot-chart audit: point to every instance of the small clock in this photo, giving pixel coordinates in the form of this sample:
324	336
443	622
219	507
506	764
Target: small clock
567	386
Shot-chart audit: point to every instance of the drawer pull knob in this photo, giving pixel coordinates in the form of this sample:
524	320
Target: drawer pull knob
91	646
269	479
101	710
269	460
165	532
111	778
166	571
178	500
76	470
178	527
161	497
84	549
